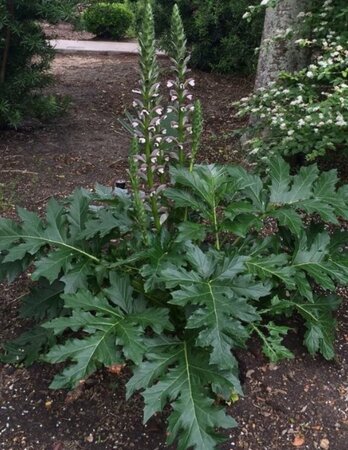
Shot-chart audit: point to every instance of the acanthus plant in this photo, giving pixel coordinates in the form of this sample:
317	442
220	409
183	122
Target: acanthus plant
173	297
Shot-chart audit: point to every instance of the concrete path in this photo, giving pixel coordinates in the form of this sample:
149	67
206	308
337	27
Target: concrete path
106	48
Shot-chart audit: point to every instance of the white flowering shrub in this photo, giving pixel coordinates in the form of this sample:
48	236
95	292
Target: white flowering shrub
307	111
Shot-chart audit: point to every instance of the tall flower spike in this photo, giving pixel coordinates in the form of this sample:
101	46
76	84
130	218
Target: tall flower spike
197	129
148	61
178	38
139	208
180	59
150	101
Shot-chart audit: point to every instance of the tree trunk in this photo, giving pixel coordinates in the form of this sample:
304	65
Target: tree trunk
277	55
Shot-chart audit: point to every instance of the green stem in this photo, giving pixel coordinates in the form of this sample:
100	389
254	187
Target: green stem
216	228
154	208
181	127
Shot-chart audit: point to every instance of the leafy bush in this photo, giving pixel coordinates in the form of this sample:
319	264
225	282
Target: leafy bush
108	19
221	41
307	111
25	58
173	275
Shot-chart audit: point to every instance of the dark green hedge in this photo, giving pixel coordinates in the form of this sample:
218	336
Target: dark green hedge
220	38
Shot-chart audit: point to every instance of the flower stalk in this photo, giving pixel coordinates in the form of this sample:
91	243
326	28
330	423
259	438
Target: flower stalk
139	207
197	129
148	120
180	93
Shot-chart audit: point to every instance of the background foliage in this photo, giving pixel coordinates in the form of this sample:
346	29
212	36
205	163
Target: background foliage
221	41
25	57
307	112
108	19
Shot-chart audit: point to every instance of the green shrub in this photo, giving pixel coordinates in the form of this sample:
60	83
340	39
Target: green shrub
173	275
306	113
108	19
220	39
25	58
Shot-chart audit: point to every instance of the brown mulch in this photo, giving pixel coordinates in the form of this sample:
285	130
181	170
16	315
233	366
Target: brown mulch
64	30
295	404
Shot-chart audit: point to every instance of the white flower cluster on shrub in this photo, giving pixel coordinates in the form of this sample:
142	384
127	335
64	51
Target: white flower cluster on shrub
307	111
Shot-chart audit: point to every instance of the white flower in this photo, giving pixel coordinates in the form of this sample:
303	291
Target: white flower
310	74
142	140
297	101
191	82
170	84
340	122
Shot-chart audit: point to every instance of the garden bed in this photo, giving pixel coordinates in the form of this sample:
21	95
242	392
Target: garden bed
64	30
300	403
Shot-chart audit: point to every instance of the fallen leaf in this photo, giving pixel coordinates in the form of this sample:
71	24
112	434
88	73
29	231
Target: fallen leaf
115	368
74	395
298	441
250	373
325	444
58	446
48	404
90	438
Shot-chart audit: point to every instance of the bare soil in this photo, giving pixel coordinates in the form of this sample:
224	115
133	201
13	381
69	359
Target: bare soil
296	404
63	30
